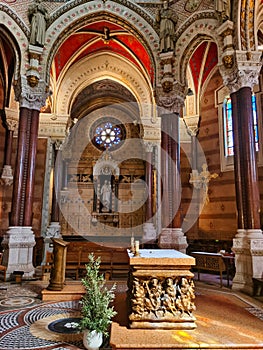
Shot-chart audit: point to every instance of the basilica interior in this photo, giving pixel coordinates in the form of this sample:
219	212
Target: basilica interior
132	121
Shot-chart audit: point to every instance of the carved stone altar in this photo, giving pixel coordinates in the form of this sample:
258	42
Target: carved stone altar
161	290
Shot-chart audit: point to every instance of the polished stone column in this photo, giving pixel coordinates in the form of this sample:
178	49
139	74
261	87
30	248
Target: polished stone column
19	240
248	243
20	174
246	175
31	166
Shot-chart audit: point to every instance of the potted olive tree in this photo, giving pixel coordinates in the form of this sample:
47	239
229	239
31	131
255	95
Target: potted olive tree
96	312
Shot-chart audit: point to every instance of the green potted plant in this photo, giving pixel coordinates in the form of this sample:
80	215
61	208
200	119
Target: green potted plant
96	312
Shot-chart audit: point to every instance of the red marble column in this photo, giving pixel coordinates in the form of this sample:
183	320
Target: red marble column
20	173
248	198
22	201
237	165
32	149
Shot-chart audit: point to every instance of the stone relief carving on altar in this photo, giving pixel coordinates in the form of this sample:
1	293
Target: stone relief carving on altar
162	298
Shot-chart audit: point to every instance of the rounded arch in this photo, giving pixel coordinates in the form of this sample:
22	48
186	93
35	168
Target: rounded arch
100	66
17	34
72	18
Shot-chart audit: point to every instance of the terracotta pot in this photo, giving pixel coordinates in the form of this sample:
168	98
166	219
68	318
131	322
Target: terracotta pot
92	340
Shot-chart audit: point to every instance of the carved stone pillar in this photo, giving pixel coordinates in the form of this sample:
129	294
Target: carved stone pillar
148	227
248	242
19	240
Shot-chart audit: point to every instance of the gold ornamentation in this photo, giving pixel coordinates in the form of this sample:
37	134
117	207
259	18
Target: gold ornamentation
32	80
228	61
167	86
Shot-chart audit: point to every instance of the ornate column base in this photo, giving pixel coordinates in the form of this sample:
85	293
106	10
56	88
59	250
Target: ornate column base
173	238
248	249
149	233
18	246
53	231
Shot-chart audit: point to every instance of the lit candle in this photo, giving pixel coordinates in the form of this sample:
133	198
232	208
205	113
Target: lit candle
137	247
132	243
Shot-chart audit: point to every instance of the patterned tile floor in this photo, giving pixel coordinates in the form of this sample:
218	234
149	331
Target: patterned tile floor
28	323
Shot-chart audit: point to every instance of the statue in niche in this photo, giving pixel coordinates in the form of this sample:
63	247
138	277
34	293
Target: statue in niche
38	16
106	195
168	20
223	8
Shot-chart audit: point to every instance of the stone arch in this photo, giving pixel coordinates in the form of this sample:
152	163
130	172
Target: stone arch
71	17
101	66
196	33
16	32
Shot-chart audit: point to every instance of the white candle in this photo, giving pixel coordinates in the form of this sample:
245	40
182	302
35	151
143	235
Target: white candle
137	246
132	243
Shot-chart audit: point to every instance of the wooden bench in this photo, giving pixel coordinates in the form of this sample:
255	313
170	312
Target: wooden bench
114	261
105	256
257	286
209	262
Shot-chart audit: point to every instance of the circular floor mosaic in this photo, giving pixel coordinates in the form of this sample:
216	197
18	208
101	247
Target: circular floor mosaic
14	302
60	327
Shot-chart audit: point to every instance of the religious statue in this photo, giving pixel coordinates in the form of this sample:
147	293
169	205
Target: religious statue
105	195
168	20
38	15
223	8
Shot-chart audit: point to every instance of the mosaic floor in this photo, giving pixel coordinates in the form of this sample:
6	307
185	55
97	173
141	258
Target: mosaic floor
28	323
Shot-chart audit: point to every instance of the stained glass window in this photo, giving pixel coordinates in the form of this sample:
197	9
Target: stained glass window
107	134
228	125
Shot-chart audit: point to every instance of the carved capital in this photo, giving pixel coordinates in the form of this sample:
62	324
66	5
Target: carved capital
243	72
192	124
173	104
148	146
31	97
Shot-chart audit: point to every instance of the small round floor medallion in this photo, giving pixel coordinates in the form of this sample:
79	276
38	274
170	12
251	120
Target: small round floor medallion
16	302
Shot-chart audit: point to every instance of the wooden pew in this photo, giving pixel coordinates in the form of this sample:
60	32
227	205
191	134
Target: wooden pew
105	256
73	262
209	262
114	261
